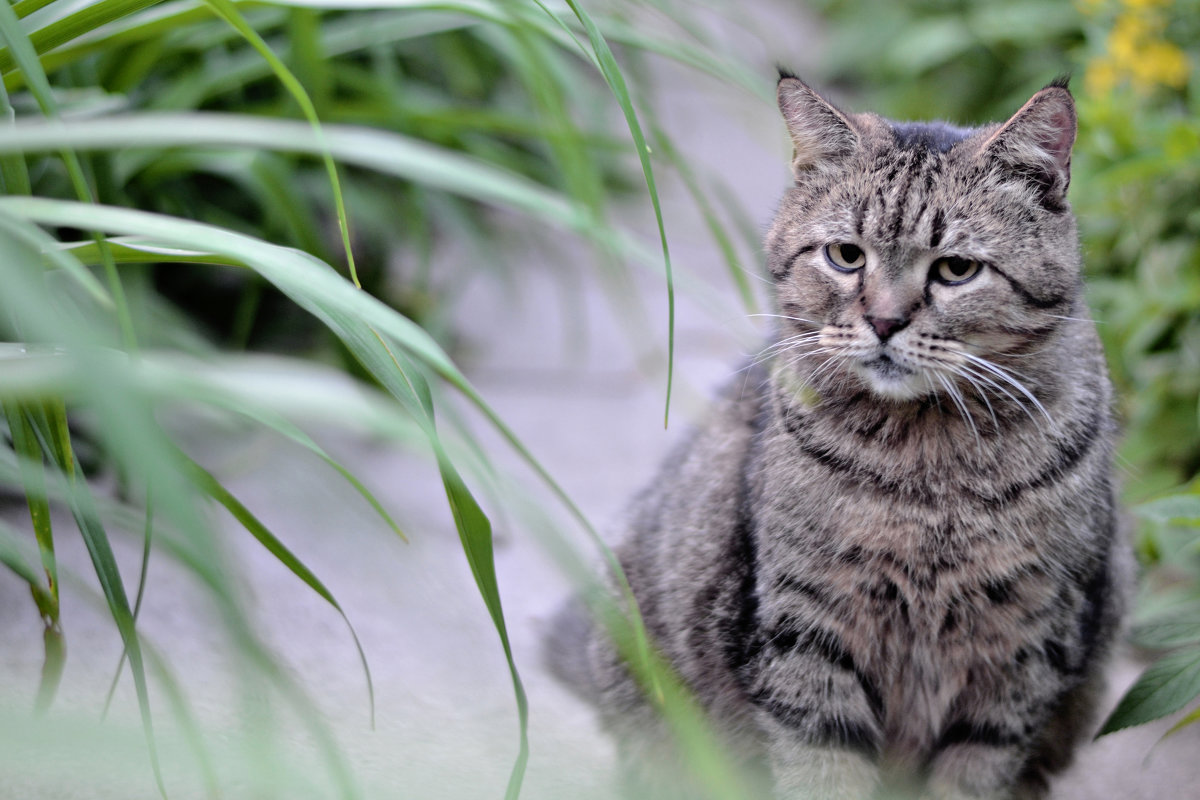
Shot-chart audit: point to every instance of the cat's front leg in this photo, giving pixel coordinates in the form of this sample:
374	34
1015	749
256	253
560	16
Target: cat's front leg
984	770
806	771
820	713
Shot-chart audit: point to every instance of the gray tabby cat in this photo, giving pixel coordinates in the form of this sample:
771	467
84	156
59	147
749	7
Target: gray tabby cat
892	551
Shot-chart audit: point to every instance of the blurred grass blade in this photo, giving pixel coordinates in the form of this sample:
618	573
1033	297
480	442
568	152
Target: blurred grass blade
405	381
33	480
475	531
186	718
26	58
143	572
13	170
616	82
56	256
105	564
229	12
209	485
1191	718
388	153
13	556
281	425
63	30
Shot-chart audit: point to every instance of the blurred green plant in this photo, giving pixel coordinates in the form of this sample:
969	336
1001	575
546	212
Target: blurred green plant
189	178
1135	183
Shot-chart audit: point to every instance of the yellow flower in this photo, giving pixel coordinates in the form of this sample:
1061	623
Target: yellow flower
1161	63
1136	50
1127	38
1102	76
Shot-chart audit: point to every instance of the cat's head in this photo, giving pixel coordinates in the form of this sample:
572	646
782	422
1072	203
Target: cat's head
917	259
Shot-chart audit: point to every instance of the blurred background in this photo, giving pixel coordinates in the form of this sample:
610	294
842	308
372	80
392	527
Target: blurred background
335	334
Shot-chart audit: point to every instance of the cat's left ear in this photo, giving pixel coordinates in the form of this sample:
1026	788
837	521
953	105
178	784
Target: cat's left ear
822	136
1036	143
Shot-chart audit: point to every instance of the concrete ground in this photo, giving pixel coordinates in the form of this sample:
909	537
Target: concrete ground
590	409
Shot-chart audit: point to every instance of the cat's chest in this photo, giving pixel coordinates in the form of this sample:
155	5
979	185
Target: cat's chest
921	600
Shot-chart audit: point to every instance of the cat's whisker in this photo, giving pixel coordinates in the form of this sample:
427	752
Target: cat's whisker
782	346
970	373
957	398
1004	375
812	322
979	390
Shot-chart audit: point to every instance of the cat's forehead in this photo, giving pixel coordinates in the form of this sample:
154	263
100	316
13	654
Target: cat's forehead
938	137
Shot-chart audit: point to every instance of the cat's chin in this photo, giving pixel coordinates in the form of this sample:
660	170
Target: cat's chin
892	381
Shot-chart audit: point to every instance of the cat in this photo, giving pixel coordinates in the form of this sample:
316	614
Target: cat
891	555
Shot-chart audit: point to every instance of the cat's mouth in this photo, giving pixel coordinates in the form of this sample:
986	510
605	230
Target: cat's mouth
889	378
884	366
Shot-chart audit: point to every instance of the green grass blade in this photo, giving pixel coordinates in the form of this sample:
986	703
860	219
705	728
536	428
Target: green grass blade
105	565
616	82
281	425
58	257
70	27
14	172
13	556
147	538
229	12
210	486
475	531
408	385
24	8
33	481
384	152
23	53
1191	718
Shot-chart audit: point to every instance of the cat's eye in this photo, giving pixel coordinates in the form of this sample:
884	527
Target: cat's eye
952	270
845	257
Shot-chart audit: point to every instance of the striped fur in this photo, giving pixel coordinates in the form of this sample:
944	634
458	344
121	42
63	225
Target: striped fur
891	554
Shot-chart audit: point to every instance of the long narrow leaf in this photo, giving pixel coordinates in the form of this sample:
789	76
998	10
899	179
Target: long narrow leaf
229	12
13	556
33	480
208	484
616	82
62	31
105	564
22	51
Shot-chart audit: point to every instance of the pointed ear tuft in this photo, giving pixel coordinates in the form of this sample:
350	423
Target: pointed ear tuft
821	134
1035	145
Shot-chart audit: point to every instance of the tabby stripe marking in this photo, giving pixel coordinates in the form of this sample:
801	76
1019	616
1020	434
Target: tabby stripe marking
1067	459
984	734
791	260
829	731
1030	299
828	646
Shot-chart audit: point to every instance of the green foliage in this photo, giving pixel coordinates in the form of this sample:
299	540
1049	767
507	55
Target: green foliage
1135	179
185	182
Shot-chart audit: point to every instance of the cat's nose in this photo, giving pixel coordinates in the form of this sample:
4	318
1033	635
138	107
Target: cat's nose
886	326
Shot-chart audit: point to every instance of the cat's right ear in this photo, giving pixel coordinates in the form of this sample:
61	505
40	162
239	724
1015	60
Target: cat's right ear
822	135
